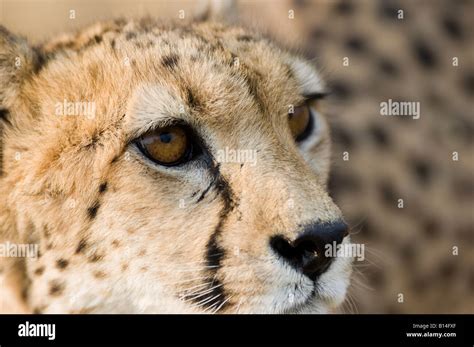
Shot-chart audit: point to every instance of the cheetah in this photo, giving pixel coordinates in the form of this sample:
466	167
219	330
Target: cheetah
120	160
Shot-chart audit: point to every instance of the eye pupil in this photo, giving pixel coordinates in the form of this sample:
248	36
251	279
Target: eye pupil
166	137
169	146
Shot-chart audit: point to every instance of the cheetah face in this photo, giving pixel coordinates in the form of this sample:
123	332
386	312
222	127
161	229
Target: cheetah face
195	182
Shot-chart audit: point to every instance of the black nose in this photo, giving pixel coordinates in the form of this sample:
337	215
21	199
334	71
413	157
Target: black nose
307	253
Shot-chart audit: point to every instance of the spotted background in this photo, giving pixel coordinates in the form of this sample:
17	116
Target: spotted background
409	250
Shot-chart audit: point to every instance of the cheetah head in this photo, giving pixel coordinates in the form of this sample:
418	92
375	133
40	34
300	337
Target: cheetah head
166	168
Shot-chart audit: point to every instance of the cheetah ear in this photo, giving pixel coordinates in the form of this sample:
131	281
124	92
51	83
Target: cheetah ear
18	60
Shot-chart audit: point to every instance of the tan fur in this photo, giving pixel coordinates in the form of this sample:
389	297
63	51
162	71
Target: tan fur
143	250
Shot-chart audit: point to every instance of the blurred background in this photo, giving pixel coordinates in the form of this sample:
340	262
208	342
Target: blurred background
368	52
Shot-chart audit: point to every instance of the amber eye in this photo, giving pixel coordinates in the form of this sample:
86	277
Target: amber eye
300	122
167	146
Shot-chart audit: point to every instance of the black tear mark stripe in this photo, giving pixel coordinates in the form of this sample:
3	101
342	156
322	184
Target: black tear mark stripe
216	297
205	191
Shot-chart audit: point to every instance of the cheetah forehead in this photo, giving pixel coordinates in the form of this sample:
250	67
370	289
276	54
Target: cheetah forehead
147	51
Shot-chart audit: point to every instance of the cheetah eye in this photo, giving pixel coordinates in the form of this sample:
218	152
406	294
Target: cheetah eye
168	146
301	122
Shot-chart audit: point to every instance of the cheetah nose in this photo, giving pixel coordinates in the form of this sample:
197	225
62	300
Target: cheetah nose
307	253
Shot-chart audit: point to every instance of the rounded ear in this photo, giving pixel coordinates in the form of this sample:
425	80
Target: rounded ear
18	60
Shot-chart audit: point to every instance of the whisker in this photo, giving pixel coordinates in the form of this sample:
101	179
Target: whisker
238	306
187	280
221	305
353	304
197	286
189	269
199	294
202	303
